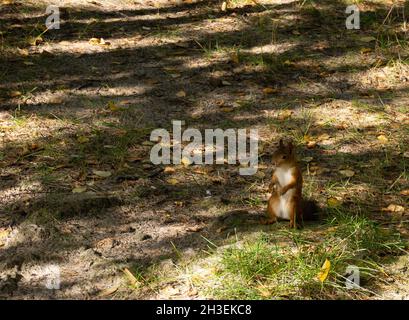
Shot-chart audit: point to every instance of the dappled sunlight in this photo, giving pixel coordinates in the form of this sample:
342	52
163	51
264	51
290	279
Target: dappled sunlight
78	187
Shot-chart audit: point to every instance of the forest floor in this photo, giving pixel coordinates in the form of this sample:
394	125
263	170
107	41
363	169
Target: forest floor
81	201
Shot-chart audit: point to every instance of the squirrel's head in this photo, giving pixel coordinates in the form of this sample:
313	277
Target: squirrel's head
283	154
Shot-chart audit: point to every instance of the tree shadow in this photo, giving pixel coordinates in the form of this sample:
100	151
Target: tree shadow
143	81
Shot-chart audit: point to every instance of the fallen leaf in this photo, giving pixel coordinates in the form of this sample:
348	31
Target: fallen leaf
23	52
311	144
132	279
172	181
102	174
169	170
82	139
35	41
286	114
323	274
406	154
382	138
224	6
367	39
365	50
113	106
181	94
79	189
333	202
108	292
394	208
269	90
186	161
404	192
98	42
4	232
14	94
323	136
234	56
195	229
347	173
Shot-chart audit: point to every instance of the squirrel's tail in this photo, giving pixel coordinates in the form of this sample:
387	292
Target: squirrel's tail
310	210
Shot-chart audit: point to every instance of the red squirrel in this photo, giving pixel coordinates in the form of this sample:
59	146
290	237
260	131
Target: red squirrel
286	200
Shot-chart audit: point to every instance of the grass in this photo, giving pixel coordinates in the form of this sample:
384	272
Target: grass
264	269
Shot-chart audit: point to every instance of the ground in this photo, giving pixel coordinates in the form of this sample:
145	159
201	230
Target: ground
80	194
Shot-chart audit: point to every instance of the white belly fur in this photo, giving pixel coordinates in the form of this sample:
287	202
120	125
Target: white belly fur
282	208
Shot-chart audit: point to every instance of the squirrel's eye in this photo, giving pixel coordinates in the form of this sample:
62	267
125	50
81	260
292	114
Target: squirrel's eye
284	157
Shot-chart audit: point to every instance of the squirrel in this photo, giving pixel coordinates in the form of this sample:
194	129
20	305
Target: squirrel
286	200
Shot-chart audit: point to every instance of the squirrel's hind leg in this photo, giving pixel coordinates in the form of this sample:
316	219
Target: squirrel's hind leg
271	214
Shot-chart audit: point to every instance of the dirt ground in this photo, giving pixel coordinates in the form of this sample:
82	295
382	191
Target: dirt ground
78	104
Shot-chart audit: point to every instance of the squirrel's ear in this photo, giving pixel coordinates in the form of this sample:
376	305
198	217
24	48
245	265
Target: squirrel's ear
290	146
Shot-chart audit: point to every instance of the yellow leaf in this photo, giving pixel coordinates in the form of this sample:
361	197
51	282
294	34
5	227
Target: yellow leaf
172	181
3	235
269	90
14	94
112	106
323	274
323	136
79	189
108	292
347	173
82	139
285	114
365	50
93	41
181	94
169	170
132	279
226	109
333	202
311	144
224	6
234	56
382	138
102	174
394	208
186	161
35	41
368	39
23	52
98	42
